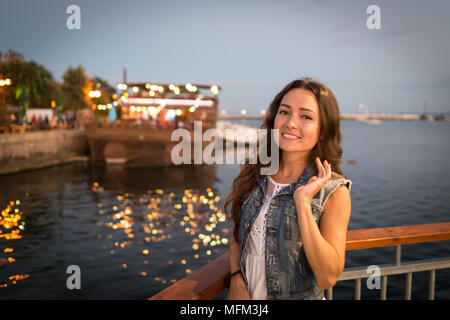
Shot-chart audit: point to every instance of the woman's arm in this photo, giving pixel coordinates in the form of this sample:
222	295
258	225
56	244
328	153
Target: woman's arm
325	247
238	289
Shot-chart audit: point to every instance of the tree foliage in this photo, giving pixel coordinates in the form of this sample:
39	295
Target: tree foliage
26	75
75	88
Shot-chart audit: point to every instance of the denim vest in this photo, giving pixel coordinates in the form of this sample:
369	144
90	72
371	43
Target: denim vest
288	273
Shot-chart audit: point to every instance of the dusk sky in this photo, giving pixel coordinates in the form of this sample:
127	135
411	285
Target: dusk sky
252	49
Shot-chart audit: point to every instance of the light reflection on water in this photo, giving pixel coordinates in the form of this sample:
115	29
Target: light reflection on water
11	226
193	220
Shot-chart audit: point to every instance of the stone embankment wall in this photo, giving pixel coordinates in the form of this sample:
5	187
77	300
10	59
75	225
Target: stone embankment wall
34	150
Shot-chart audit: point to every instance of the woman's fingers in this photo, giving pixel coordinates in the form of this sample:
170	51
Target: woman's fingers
327	169
324	169
320	168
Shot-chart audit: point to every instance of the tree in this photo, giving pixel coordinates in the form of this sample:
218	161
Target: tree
74	89
32	85
22	94
30	76
40	83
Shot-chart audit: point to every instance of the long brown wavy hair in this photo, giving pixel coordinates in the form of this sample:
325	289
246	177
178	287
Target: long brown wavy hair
328	146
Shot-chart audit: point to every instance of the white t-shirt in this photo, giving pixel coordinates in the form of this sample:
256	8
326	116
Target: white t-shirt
254	255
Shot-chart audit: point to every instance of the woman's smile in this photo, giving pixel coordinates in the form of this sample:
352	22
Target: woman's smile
290	137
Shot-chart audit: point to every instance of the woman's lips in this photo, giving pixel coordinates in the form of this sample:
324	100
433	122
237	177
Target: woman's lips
289	136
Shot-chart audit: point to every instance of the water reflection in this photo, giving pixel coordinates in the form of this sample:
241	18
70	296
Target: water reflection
128	225
187	226
11	227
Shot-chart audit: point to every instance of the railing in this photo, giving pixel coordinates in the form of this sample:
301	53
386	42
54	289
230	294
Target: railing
396	236
209	280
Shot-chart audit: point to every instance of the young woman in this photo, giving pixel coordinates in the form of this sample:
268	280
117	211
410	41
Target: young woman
290	228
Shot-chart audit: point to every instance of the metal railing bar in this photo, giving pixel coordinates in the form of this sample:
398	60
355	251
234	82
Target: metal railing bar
432	284
357	289
398	254
387	270
383	292
329	294
408	286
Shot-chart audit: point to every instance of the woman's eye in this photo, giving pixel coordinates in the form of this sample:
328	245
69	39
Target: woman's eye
306	117
283	112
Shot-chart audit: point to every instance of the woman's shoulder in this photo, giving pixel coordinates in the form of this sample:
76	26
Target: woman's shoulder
336	181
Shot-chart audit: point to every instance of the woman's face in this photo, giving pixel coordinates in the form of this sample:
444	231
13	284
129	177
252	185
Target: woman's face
298	122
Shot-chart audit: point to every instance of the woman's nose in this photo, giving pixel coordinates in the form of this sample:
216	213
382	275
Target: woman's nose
292	122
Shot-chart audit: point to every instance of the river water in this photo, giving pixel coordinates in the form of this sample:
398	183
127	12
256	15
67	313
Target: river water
134	231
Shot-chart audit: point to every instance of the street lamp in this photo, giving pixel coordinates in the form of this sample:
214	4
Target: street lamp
5	82
95	94
215	89
122	86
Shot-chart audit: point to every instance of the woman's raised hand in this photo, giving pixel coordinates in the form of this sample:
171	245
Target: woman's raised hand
315	183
